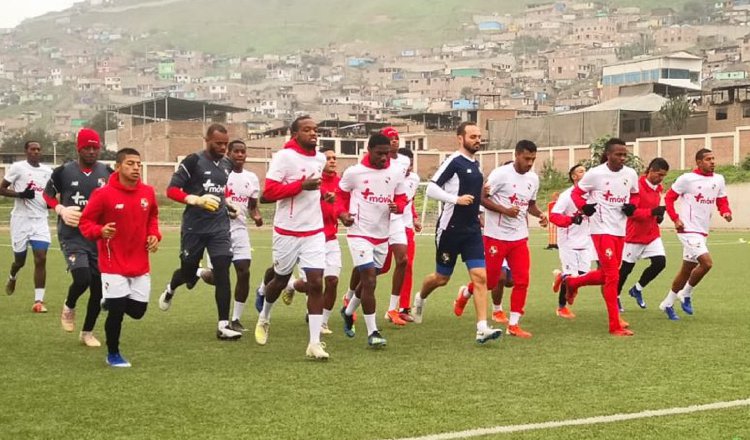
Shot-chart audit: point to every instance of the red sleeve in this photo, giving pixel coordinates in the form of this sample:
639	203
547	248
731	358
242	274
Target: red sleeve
669	200
560	220
276	190
176	194
89	223
635	199
52	202
342	201
723	204
577	196
153	220
401	201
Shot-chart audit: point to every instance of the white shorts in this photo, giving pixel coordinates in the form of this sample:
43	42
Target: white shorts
397	233
118	286
333	261
633	252
575	261
240	244
26	229
693	246
288	250
365	252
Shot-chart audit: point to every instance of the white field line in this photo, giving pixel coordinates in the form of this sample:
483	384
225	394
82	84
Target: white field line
584	422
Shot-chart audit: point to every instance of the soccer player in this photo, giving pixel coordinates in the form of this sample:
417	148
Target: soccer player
369	193
698	191
458	184
293	182
643	237
575	248
509	197
612	190
242	194
200	183
25	181
74	182
123	219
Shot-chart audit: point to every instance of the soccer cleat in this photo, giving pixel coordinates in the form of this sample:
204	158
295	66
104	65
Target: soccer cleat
68	319
638	295
259	300
515	330
671	314
621	332
376	340
499	316
687	304
88	339
165	299
624	323
405	314
287	296
317	351
558	277
460	303
349	329
116	360
226	333
570	292
565	312
10	286
619	305
418	311
393	316
346	304
324	330
261	331
237	326
39	307
488	335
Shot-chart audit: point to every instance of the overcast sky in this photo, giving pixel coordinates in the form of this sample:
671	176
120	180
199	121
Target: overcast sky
14	11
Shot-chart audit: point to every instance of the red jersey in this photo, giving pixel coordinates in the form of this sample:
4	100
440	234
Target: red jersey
641	226
329	183
136	216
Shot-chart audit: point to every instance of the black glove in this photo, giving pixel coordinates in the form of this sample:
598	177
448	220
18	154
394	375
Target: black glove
628	209
577	219
659	219
28	193
659	211
589	209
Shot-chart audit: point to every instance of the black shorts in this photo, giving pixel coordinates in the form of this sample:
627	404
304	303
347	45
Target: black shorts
79	254
449	245
193	244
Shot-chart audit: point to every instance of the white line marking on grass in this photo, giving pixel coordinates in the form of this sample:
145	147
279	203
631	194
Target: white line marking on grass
582	422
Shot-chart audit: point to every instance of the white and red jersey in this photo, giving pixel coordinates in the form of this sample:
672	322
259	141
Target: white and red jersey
610	190
403	163
698	194
411	184
298	211
509	188
241	187
22	174
569	234
365	192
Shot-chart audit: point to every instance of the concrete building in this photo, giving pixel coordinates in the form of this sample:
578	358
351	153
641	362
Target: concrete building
679	69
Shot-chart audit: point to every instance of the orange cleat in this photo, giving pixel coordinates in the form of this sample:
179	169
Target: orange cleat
515	330
624	323
621	332
570	293
500	316
460	303
565	312
558	280
393	316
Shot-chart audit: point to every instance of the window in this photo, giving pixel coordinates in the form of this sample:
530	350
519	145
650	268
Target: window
645	125
628	126
559	69
721	113
746	111
349	147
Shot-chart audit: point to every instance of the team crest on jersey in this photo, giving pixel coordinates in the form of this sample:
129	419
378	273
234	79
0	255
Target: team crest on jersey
144	203
445	257
625	181
101	181
608	252
72	259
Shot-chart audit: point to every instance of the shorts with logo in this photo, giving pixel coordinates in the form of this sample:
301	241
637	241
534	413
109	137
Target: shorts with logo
288	250
366	253
575	261
80	253
192	245
397	232
633	252
118	286
27	230
449	245
693	246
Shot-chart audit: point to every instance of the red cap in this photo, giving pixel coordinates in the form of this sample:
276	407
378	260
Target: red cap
87	138
389	132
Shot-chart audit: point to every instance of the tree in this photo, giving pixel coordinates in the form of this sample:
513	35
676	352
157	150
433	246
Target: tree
467	92
101	122
597	151
675	113
15	142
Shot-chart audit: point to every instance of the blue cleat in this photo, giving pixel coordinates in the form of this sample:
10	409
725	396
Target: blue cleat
619	305
259	300
687	305
638	295
349	329
376	340
671	314
116	360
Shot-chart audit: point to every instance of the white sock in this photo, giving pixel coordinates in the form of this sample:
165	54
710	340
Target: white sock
482	325
687	291
39	294
290	283
349	294
418	300
314	323
497	307
169	288
514	318
465	293
223	324
11	277
326	315
353	305
238	309
199	271
372	326
262	289
265	314
670	299
394	302
638	287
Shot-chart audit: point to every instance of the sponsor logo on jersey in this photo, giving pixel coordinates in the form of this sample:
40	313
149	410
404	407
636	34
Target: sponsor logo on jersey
701	199
609	197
